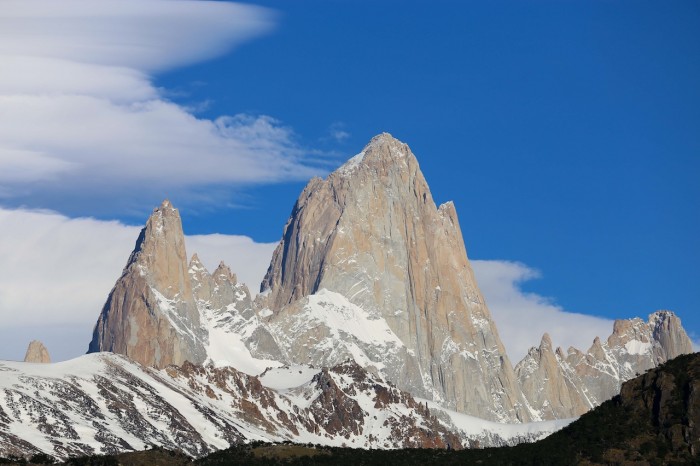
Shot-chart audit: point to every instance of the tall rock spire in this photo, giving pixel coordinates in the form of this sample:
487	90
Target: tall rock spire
372	233
37	352
150	314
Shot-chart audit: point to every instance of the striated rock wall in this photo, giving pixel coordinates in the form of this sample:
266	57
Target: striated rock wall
150	314
372	233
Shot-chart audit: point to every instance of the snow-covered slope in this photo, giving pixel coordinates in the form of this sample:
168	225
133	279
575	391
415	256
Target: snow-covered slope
326	328
104	403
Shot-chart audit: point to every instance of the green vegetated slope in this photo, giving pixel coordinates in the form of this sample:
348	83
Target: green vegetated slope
654	421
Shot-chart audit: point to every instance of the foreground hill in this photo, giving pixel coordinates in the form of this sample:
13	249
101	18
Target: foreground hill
654	421
104	403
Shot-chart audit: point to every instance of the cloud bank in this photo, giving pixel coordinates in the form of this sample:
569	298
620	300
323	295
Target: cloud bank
79	111
522	318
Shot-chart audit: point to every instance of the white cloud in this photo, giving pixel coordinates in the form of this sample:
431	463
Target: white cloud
695	341
56	273
79	111
337	132
149	35
522	318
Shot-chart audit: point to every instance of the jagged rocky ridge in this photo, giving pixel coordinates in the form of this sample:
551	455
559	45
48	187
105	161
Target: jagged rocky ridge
369	269
559	385
104	403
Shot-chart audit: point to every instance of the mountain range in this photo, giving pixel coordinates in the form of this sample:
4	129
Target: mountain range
369	330
653	421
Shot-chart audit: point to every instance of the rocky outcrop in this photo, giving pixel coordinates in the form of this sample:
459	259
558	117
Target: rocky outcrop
371	233
37	352
549	389
150	314
220	290
560	386
227	312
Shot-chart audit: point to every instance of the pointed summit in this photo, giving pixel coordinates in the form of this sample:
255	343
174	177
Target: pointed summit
371	233
151	315
546	342
160	250
381	152
223	272
37	352
667	329
546	387
372	185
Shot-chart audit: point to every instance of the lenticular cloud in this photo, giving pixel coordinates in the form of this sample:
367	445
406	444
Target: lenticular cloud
79	113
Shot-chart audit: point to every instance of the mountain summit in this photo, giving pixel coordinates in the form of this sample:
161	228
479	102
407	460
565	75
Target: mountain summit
37	352
369	269
150	314
372	234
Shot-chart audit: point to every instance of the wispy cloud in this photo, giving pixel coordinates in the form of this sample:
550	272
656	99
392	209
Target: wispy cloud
695	340
79	112
337	132
522	318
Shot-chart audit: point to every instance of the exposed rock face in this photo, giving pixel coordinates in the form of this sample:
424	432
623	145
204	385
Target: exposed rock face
227	312
666	401
372	233
546	386
561	386
37	352
654	420
151	315
220	290
670	335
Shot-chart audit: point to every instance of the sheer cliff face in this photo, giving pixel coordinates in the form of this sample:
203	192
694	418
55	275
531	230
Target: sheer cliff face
150	314
369	269
372	233
37	352
561	386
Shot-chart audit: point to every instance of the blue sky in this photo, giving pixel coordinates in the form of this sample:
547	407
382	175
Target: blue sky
566	132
